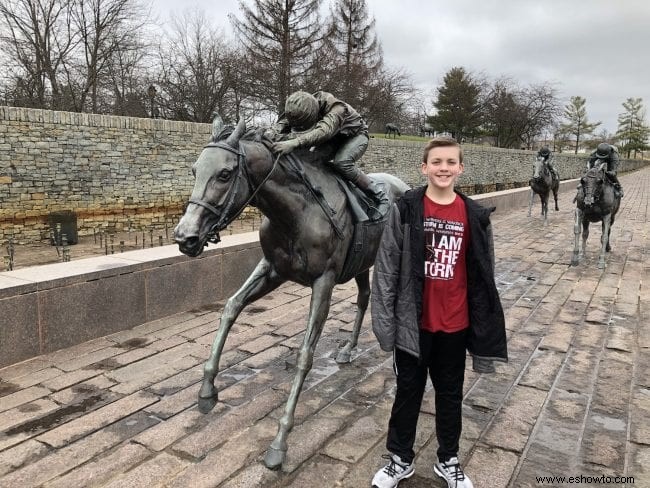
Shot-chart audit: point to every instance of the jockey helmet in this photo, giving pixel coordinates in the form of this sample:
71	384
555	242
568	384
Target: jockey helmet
603	150
545	152
301	110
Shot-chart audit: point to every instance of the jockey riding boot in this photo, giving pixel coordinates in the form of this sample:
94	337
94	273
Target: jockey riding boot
556	175
376	192
617	184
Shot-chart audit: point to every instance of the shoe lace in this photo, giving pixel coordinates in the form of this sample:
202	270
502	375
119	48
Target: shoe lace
454	470
391	468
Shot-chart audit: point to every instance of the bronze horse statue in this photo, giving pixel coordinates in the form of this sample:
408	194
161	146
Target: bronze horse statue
308	236
392	129
542	183
596	200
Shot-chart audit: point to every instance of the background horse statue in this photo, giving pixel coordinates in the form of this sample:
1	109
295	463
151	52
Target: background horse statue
542	183
596	201
392	129
306	237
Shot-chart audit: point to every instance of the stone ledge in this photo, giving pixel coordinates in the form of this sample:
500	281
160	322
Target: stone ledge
45	308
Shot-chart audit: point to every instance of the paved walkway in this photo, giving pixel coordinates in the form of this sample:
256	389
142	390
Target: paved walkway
574	400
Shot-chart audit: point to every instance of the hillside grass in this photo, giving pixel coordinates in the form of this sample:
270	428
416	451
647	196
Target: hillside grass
403	137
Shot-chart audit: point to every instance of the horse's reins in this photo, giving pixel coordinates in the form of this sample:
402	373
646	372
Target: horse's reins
222	216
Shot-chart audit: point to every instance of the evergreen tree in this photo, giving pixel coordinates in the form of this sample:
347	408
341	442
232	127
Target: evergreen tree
578	124
633	132
280	39
353	50
458	105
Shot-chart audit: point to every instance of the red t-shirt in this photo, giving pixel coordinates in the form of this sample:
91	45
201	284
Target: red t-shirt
446	234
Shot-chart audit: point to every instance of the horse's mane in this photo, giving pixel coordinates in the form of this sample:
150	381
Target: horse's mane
254	134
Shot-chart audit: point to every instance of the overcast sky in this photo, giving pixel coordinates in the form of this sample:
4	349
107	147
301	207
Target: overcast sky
598	49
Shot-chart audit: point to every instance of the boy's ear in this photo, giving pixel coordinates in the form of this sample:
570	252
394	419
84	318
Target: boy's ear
423	168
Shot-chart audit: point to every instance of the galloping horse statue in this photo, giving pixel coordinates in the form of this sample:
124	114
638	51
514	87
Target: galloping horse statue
542	183
596	200
309	235
392	129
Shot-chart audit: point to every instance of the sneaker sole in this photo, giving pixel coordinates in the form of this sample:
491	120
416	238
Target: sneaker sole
440	475
401	479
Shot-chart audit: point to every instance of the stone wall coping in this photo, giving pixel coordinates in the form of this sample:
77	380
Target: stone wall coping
22	114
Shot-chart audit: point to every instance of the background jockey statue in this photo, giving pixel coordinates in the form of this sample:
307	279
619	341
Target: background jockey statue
607	152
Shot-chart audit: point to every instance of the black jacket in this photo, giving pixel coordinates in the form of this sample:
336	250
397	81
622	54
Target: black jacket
398	281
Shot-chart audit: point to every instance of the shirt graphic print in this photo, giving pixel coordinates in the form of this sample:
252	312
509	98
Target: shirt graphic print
446	234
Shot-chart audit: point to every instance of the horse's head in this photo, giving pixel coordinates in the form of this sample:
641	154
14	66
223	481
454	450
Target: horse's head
540	168
221	191
592	183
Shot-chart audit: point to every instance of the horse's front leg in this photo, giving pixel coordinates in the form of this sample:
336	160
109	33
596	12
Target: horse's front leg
575	259
363	297
557	208
262	280
321	297
530	201
604	240
545	208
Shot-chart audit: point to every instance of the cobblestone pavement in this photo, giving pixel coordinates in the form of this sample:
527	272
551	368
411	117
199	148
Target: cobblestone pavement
574	400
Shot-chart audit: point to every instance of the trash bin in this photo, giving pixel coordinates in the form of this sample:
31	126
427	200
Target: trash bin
68	226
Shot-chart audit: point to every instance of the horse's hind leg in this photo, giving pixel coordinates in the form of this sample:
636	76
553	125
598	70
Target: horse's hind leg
555	198
609	232
575	259
604	240
321	297
363	296
262	280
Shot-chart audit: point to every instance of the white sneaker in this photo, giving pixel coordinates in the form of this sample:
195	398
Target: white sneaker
395	471
452	473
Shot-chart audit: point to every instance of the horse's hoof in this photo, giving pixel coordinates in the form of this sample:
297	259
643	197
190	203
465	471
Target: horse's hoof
601	265
343	357
274	458
207	404
574	262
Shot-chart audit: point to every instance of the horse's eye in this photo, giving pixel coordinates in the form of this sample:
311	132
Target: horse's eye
224	174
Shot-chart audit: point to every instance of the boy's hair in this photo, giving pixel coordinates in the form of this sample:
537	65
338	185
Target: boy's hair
442	141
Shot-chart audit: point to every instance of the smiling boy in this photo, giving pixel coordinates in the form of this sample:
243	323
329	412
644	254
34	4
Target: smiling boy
434	297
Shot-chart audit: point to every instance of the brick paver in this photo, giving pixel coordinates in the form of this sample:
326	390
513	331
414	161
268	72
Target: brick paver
574	399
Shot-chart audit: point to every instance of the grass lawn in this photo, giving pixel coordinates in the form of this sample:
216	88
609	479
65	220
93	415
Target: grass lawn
401	138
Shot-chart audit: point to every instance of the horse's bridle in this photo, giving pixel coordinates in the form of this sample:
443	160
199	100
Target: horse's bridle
592	175
222	211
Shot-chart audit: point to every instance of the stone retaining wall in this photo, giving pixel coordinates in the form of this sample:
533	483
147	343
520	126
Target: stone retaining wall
123	173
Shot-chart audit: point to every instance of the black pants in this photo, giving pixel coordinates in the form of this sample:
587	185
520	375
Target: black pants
444	361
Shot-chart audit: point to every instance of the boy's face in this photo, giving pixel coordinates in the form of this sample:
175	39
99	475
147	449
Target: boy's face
443	167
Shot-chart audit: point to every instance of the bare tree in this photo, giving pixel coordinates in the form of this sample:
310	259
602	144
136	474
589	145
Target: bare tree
195	66
103	27
37	38
280	39
126	80
517	116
